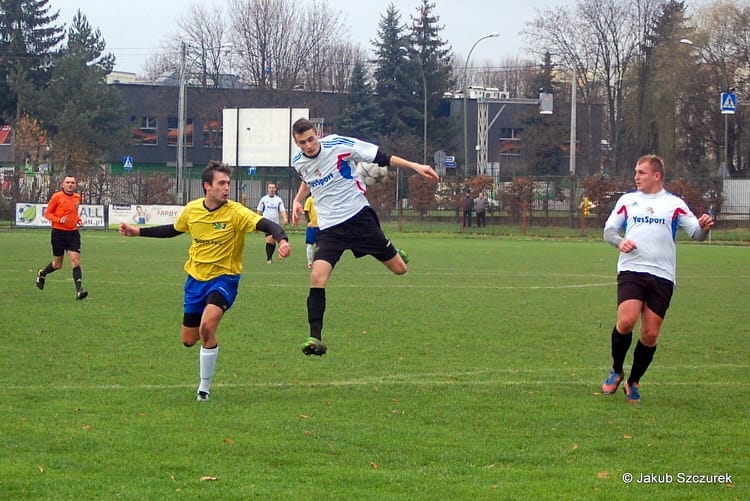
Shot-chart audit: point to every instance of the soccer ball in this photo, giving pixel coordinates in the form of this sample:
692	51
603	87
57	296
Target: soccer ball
371	173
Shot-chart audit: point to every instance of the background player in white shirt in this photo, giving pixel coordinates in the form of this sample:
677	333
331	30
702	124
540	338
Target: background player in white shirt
271	206
643	226
346	220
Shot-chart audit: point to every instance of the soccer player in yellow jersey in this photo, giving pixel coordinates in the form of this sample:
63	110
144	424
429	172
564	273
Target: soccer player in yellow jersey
217	227
311	234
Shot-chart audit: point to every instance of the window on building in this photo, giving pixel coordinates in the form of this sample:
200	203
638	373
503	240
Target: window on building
145	131
173	128
510	142
213	134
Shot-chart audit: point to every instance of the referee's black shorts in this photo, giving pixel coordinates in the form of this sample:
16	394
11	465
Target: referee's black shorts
360	234
65	241
655	291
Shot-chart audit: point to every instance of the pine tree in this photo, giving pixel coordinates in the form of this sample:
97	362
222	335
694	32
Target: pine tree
433	59
360	117
28	42
395	85
82	114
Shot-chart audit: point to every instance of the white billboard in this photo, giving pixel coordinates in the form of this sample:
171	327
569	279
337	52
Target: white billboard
259	137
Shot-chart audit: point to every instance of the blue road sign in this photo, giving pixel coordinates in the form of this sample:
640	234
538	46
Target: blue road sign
728	103
251	171
127	163
450	162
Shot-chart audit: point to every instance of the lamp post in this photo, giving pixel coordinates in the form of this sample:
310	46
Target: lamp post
687	41
573	97
424	116
181	128
466	92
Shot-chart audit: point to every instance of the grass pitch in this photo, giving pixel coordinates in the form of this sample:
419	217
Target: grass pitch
474	376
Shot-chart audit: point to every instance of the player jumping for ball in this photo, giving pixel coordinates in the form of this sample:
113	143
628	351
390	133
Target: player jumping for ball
643	226
345	218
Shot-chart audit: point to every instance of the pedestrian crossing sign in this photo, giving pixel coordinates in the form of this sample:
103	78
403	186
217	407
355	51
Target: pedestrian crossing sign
127	163
728	103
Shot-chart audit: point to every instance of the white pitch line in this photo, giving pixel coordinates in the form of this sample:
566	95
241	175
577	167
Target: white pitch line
436	379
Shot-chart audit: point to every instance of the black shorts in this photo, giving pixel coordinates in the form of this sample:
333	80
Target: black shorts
65	241
361	234
656	292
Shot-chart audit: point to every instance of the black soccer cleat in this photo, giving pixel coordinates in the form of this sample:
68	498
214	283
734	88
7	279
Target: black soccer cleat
39	279
314	346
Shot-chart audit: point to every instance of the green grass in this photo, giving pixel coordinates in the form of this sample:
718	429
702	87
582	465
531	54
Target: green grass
474	376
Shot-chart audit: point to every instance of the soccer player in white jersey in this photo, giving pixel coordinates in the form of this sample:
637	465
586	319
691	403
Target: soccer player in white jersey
272	207
217	228
346	220
643	226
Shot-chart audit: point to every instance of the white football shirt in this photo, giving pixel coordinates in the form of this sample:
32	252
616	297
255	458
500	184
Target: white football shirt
271	207
331	177
651	221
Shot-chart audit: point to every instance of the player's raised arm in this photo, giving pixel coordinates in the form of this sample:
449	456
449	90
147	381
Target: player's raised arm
421	169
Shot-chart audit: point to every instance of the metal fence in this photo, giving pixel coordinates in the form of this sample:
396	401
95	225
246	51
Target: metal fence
555	200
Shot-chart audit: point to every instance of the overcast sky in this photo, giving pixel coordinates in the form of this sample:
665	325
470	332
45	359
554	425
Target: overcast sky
135	29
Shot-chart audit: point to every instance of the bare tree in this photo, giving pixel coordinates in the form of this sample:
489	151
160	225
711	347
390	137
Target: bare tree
600	40
721	43
343	56
208	53
322	29
268	34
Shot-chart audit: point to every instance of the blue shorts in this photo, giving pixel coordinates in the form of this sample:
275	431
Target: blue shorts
311	234
196	291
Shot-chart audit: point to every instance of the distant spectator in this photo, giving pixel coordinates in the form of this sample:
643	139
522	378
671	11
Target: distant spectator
467	204
480	207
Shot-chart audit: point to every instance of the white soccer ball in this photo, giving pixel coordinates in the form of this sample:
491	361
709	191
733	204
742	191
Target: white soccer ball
371	173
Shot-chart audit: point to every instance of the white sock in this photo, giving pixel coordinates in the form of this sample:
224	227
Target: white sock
310	253
207	360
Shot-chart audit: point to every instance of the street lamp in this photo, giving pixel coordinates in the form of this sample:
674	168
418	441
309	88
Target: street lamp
689	42
181	127
182	98
573	97
424	116
494	34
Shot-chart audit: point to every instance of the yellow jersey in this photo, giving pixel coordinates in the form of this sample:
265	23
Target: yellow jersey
218	237
311	211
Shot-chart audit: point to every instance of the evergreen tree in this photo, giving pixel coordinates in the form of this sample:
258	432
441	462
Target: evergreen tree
544	136
394	83
28	41
541	81
433	59
81	113
360	117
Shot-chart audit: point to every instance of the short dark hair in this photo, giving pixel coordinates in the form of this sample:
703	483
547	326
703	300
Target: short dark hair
301	126
207	175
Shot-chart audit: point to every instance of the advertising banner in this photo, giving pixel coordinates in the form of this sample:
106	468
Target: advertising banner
142	215
30	215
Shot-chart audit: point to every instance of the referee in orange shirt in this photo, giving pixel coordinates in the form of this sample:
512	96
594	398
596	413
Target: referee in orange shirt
62	212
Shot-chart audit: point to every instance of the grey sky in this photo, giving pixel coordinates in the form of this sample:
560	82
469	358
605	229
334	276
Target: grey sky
136	29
